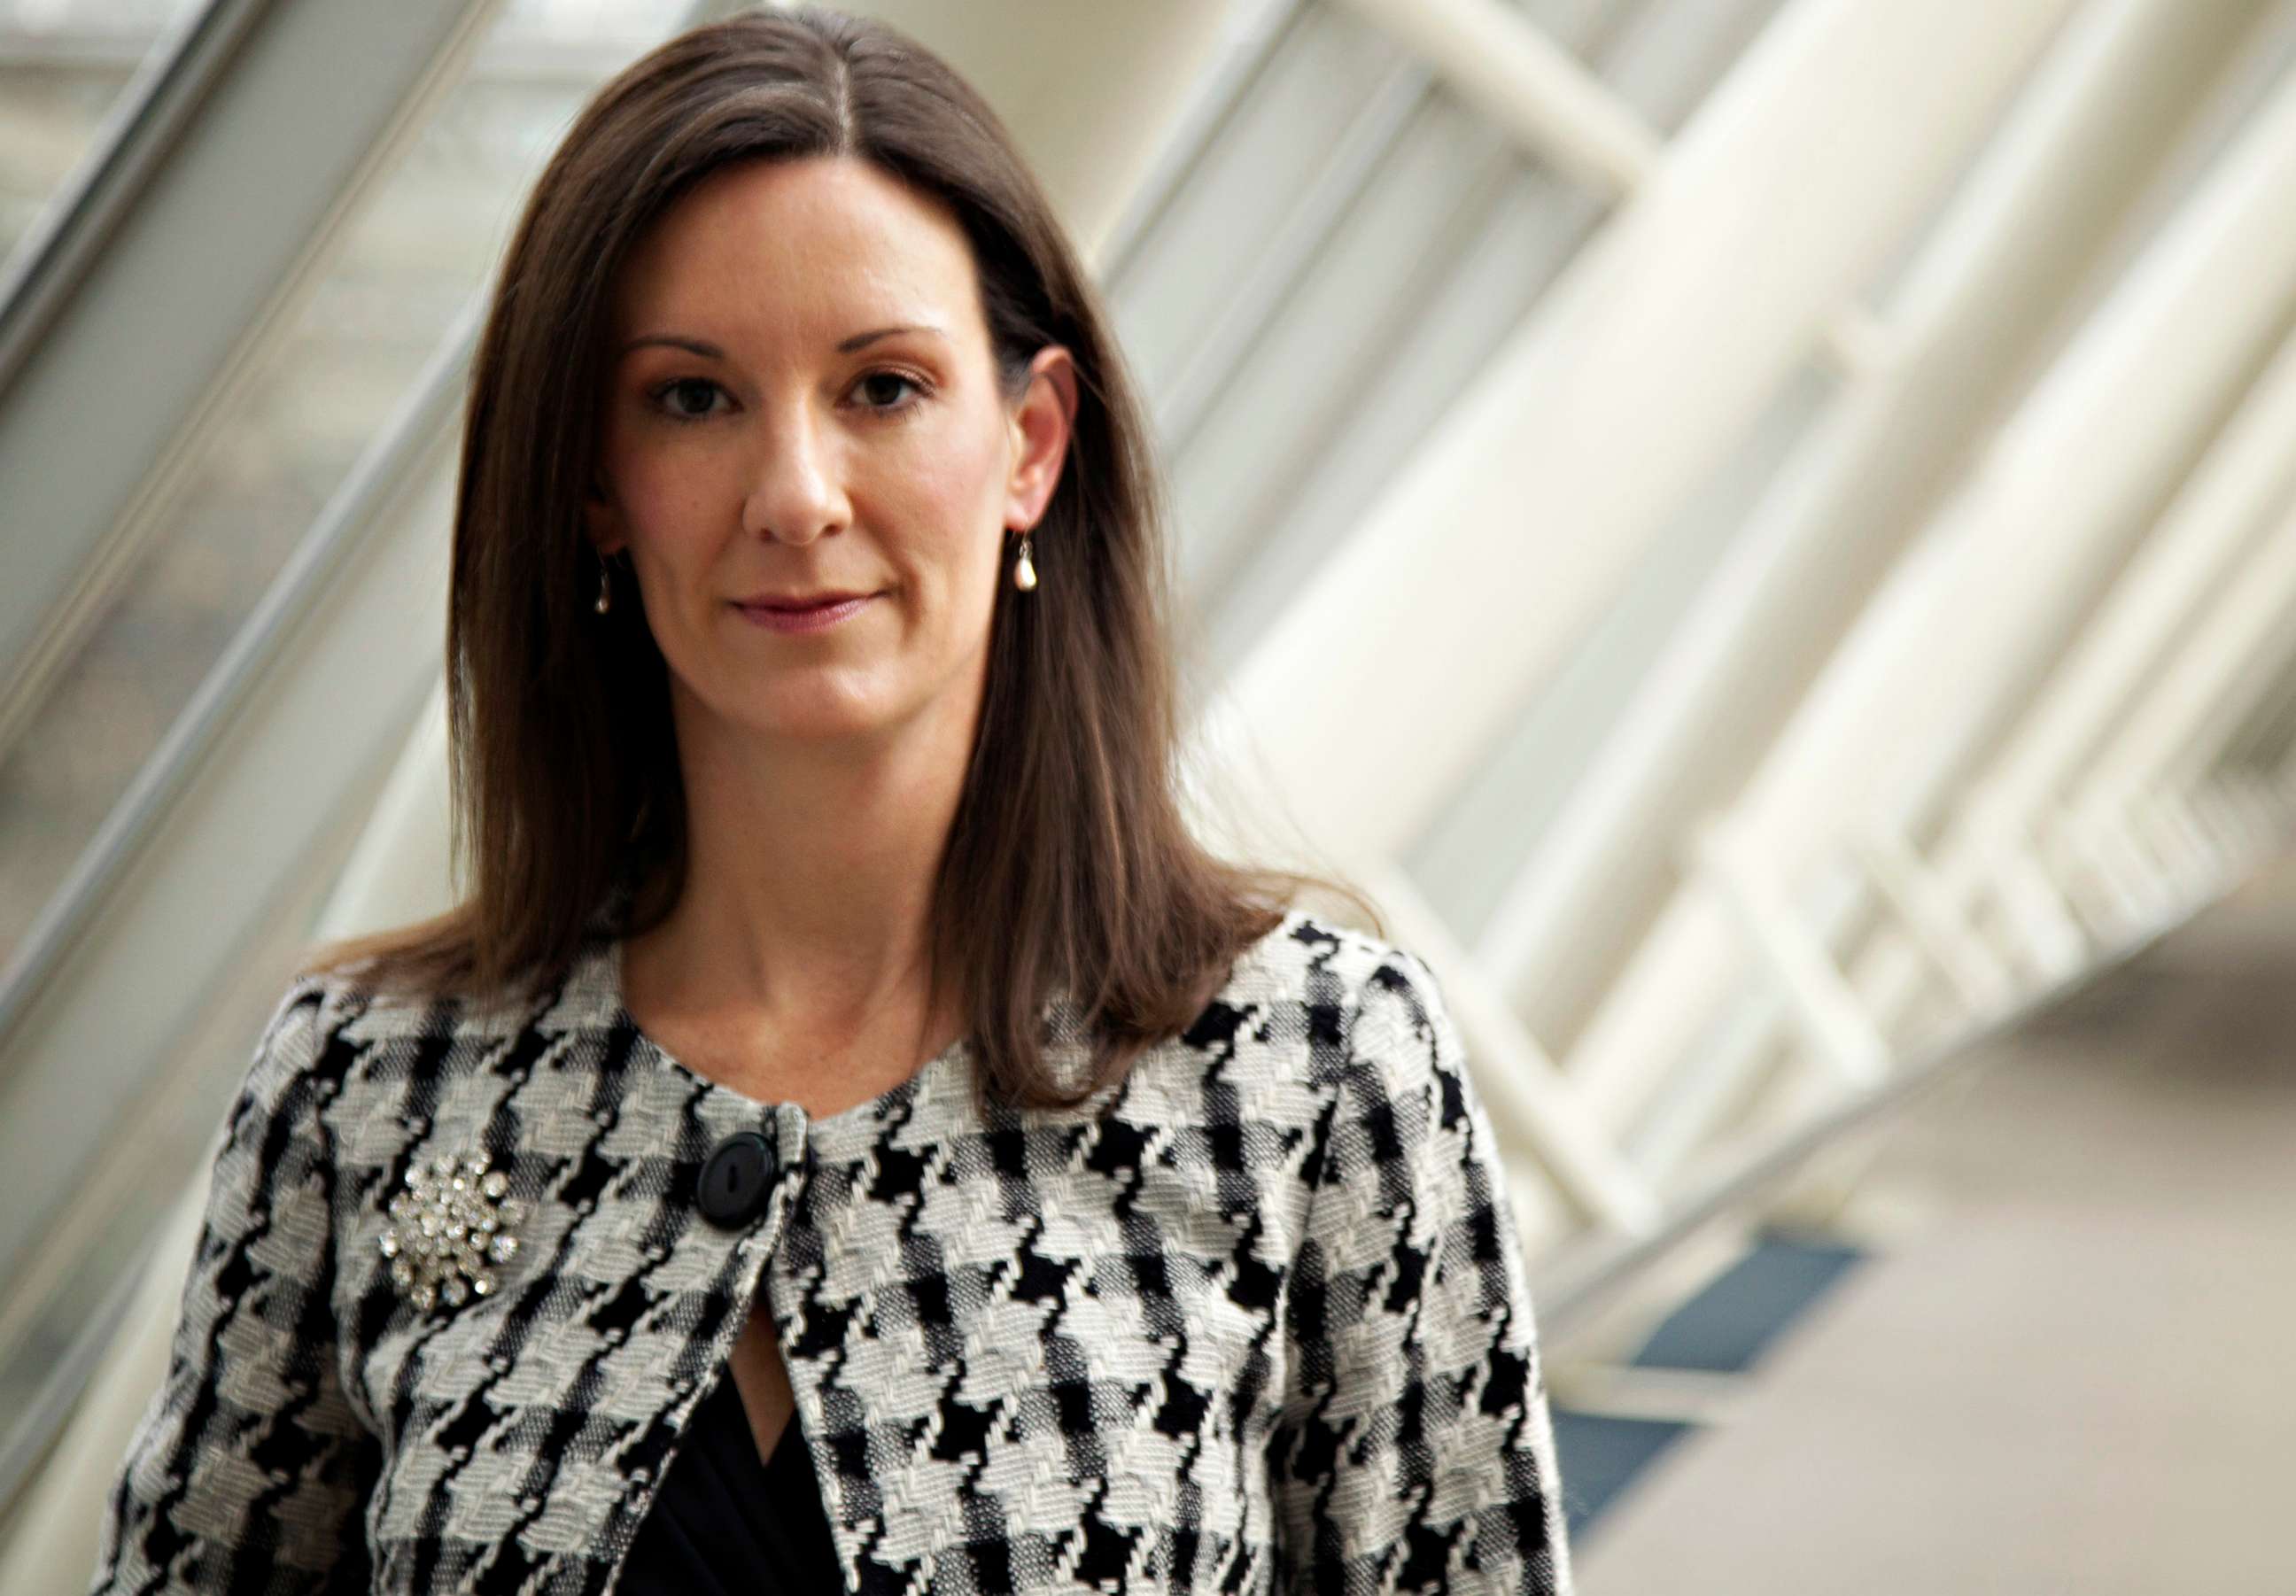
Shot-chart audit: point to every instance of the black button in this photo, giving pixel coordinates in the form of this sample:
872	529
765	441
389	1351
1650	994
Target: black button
737	1179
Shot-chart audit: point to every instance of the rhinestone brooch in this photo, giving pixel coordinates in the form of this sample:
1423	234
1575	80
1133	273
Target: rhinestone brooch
448	1229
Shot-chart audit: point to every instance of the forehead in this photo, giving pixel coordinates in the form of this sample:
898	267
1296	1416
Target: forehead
814	241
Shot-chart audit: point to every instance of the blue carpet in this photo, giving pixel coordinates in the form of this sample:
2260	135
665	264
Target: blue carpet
1724	1329
1600	1456
1727	1326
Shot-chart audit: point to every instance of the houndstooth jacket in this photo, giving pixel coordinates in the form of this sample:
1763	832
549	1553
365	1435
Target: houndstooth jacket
1263	1327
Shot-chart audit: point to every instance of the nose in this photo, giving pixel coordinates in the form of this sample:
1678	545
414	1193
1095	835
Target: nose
796	488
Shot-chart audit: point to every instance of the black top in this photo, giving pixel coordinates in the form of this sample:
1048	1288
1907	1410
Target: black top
726	1523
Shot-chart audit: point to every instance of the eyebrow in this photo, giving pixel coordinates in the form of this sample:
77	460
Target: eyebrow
709	351
859	339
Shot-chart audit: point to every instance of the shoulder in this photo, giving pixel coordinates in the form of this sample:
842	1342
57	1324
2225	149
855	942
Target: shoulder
355	1001
291	1036
274	1129
1350	986
322	1023
1394	1104
1384	1050
1307	949
319	1025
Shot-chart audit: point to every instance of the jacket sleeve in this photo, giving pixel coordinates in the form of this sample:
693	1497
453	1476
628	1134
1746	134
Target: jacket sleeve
248	1469
1416	1451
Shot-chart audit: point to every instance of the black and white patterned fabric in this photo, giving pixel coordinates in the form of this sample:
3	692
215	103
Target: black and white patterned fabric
1264	1328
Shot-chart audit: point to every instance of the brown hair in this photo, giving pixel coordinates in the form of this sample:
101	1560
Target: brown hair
1070	867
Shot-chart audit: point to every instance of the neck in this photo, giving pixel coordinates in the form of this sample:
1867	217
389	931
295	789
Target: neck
809	890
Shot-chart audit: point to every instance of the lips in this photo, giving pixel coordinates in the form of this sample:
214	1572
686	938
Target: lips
822	601
784	615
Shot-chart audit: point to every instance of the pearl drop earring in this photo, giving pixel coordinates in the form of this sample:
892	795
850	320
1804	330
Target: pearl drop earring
1024	575
605	586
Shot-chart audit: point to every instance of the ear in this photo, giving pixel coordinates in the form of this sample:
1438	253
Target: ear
1041	425
602	519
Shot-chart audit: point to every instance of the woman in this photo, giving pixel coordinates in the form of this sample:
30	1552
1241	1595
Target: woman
813	715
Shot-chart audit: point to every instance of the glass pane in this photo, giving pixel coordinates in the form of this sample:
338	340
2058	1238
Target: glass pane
1294	352
418	248
63	64
1661	57
1504	813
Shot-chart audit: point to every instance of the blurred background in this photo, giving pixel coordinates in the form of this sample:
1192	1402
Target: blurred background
1762	531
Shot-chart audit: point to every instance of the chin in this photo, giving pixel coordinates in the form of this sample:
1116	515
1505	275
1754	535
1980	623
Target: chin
822	718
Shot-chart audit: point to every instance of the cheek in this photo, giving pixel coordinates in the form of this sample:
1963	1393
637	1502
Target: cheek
952	491
665	491
678	528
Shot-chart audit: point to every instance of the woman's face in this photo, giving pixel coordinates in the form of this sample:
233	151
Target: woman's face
801	399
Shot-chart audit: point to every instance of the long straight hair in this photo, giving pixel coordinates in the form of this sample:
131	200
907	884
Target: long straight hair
1071	869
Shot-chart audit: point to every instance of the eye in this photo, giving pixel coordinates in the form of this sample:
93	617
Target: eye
700	388
887	375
